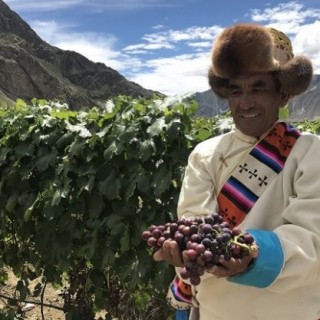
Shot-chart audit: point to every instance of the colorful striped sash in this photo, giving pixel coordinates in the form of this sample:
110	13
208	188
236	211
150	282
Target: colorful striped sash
244	187
180	294
256	172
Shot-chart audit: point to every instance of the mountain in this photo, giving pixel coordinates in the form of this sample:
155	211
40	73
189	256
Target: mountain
31	68
307	105
304	106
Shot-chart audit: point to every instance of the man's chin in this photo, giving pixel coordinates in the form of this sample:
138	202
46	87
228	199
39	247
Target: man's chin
252	132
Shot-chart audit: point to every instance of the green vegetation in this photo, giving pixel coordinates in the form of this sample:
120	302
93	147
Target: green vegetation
78	188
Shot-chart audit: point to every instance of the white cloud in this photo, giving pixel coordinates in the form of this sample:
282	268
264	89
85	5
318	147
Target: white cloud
149	46
194	33
43	5
184	35
203	44
176	75
171	38
158	27
307	42
97	47
291	14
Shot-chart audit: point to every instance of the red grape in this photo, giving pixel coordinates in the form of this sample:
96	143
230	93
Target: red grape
191	254
146	235
200	248
207	256
202	242
195	280
185	274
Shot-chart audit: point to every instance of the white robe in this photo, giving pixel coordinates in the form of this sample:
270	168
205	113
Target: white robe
290	207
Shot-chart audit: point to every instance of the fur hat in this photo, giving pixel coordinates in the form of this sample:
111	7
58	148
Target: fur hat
246	48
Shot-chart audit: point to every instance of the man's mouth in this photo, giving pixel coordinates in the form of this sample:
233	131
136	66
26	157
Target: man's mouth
252	115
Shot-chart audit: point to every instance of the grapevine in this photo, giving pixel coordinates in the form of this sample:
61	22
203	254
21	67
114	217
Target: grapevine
202	242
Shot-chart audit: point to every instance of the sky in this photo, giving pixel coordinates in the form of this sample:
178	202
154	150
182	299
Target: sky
164	45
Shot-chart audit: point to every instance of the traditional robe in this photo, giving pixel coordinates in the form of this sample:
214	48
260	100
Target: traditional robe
284	281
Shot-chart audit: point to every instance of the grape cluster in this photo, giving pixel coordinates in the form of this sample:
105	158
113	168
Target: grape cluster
202	242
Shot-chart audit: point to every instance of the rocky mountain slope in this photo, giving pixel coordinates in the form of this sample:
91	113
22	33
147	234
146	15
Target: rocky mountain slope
31	68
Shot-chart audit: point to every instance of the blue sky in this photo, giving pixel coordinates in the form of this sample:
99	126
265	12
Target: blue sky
163	45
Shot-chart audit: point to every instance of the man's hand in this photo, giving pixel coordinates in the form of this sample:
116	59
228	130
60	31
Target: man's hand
230	268
169	252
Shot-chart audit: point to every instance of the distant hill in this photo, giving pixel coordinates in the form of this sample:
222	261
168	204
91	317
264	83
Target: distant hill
307	105
304	106
31	68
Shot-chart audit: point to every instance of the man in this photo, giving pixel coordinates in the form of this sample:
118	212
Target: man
265	178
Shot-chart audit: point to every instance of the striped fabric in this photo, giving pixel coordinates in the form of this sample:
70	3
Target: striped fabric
244	187
181	291
179	294
256	172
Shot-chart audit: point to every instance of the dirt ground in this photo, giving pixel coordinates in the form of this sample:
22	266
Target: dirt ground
32	310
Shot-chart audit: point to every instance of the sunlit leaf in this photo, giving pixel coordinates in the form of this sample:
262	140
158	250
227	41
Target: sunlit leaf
157	127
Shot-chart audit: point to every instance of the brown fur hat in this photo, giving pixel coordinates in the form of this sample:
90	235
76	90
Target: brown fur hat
249	48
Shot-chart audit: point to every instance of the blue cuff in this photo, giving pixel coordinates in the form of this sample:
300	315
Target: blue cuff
267	266
182	315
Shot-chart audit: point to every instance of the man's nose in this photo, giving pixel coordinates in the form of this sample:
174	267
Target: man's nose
246	102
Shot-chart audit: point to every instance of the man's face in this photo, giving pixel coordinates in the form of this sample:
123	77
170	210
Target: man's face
254	102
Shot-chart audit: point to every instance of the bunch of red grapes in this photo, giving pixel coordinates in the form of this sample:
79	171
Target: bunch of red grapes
202	242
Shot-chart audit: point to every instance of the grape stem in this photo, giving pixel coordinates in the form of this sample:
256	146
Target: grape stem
253	248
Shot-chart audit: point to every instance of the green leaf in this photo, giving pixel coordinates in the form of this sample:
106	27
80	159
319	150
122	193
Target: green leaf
3	154
108	258
284	113
114	222
23	149
56	198
141	299
11	203
110	186
161	180
27	214
125	241
110	151
20	103
130	190
64	140
46	160
140	107
77	147
95	204
63	114
143	182
80	129
50	212
146	149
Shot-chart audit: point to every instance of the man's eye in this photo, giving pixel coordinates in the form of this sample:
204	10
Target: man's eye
259	90
234	93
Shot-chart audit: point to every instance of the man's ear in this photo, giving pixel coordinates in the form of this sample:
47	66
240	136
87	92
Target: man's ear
284	99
